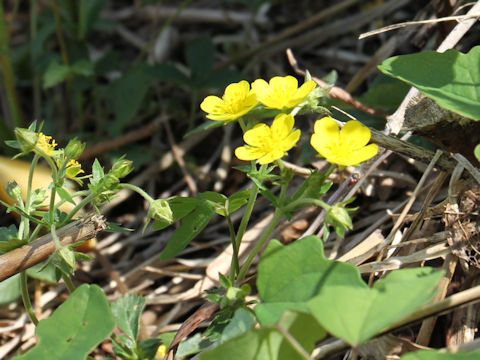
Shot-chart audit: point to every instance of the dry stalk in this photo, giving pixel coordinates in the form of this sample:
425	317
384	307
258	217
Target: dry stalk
20	259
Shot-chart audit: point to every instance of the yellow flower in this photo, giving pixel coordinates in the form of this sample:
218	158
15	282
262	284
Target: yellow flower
267	144
46	144
345	147
73	169
282	92
238	100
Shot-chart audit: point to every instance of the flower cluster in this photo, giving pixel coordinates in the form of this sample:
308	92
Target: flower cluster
267	144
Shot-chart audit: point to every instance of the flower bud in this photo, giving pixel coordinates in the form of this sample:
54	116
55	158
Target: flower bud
160	210
121	168
338	217
26	139
74	149
14	191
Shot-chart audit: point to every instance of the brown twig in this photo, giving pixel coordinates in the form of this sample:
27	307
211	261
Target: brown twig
20	259
120	141
335	91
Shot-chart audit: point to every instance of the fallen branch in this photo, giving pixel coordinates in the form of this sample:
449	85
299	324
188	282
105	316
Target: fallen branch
20	259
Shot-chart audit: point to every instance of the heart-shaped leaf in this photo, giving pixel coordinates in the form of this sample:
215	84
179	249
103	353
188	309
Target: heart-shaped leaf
356	313
289	276
75	328
451	78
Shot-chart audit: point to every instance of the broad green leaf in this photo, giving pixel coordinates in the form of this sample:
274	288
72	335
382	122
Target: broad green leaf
385	93
451	78
75	328
125	96
435	355
210	124
97	172
83	68
192	225
10	290
237	200
169	73
199	55
355	312
88	15
192	345
289	276
45	271
477	152
242	321
269	343
55	74
65	195
127	311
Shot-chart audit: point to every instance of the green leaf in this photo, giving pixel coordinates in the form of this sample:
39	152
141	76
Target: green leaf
10	290
269	343
354	312
45	271
64	195
222	78
289	276
450	78
125	96
237	200
55	74
97	172
127	311
242	321
148	348
435	355
75	328
83	68
210	124
385	93
169	73
192	225
199	55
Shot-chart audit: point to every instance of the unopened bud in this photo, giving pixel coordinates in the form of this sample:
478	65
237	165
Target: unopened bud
74	149
160	210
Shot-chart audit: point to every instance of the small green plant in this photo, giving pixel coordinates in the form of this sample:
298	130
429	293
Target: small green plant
302	296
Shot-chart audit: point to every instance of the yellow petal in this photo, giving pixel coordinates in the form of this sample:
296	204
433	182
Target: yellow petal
261	88
285	85
237	91
213	105
354	135
271	156
363	154
282	126
290	141
248	153
258	135
326	131
324	148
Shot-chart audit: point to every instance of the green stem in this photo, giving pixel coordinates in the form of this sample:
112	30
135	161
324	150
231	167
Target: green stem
234	266
34	233
258	246
53	232
33	165
77	208
26	298
68	283
306	201
242	124
246	215
137	190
